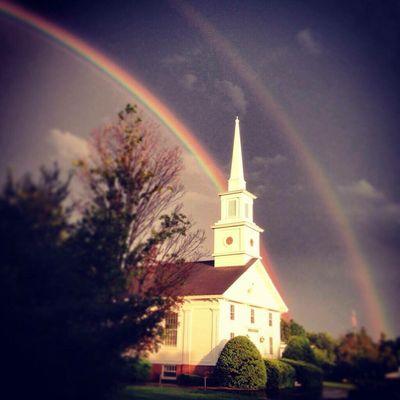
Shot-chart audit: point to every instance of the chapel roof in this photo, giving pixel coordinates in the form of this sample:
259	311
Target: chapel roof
205	279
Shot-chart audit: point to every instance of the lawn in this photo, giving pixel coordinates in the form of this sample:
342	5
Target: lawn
339	385
180	393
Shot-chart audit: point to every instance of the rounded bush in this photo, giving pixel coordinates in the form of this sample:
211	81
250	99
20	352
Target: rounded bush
240	365
307	374
298	348
280	375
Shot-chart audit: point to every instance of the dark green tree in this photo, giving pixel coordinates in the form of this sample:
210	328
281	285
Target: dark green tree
85	285
298	348
291	328
36	285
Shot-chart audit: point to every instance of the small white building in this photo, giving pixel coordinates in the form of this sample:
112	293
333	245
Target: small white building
230	296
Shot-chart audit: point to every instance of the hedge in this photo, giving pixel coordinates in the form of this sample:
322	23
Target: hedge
280	375
190	380
240	365
307	374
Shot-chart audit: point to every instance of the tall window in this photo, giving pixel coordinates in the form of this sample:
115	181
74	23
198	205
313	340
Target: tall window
232	312
271	346
252	318
171	329
232	208
246	210
232	335
270	319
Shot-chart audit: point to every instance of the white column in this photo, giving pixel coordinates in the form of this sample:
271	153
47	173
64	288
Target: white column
186	336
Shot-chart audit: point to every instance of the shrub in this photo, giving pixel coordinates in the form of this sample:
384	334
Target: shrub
298	348
280	375
240	365
137	370
307	374
190	380
323	361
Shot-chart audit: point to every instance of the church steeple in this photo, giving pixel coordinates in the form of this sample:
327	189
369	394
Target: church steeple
236	180
236	236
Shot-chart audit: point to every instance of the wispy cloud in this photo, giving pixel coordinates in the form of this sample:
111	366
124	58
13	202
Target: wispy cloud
189	81
306	39
234	93
365	203
67	147
266	162
174	59
260	167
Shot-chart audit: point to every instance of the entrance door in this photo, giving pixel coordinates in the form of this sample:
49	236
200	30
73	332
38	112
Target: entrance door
254	336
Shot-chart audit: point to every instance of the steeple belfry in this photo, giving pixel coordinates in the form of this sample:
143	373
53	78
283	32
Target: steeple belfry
236	236
236	180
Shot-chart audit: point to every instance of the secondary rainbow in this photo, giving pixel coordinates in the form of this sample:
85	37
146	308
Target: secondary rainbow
138	90
207	163
361	268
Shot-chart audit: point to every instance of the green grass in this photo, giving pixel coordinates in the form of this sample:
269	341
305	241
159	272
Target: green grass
339	385
179	393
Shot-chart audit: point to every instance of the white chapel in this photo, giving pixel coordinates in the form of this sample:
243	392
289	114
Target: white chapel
229	296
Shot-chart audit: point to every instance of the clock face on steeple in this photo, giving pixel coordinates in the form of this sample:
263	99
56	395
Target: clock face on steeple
229	240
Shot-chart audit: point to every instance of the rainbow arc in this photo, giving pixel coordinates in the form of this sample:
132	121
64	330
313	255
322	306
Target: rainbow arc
191	143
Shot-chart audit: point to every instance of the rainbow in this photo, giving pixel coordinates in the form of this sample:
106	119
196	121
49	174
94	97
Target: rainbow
124	79
135	88
362	270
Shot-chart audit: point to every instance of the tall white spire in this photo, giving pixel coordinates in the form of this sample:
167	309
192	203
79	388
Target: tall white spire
236	236
236	180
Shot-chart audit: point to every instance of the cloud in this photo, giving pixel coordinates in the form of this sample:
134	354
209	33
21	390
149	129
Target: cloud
365	203
234	93
266	162
362	189
189	81
308	42
67	147
260	165
174	59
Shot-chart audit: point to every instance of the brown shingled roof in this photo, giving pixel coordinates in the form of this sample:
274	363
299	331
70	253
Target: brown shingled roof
205	279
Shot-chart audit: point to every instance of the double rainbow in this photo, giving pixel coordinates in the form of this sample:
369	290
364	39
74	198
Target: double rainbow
207	163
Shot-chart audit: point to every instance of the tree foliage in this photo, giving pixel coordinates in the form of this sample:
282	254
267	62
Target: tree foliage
358	356
298	348
84	285
133	237
291	328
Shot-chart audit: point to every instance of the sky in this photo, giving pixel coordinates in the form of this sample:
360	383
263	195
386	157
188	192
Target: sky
316	87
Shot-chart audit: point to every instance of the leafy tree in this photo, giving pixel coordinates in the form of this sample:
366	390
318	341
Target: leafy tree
323	346
132	237
291	328
36	285
298	348
358	356
389	353
84	285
